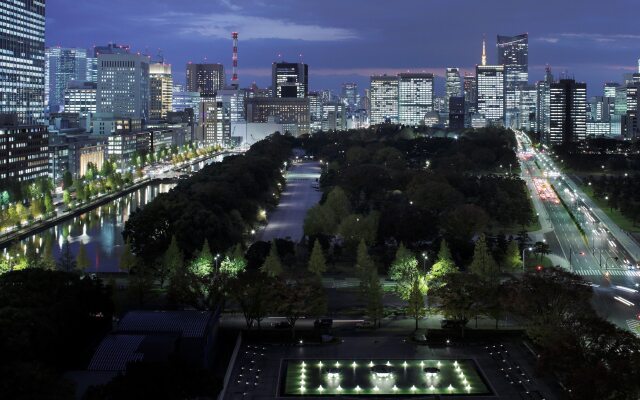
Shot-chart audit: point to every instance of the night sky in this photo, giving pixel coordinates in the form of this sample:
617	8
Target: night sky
348	40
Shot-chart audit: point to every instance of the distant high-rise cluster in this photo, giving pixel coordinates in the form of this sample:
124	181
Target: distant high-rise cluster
62	102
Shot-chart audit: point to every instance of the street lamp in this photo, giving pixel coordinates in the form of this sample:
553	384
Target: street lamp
425	257
523	252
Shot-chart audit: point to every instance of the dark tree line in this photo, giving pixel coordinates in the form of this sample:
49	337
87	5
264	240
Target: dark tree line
220	203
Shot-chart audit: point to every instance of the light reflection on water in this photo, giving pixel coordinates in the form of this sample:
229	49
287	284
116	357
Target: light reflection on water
100	229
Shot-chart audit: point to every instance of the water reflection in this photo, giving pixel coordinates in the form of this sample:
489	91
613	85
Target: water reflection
100	230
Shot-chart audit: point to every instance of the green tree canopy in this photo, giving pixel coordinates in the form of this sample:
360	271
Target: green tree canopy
442	267
404	271
483	263
512	258
272	265
415	303
317	262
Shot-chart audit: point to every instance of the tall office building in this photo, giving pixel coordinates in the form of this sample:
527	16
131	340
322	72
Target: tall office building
490	95
543	99
350	96
80	98
205	79
123	85
384	99
527	100
92	70
233	100
513	54
568	112
292	113
22	78
289	79
63	65
24	149
415	97
160	90
215	122
334	117
456	112
453	86
470	89
315	111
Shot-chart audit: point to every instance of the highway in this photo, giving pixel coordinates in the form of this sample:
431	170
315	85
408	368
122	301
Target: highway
599	256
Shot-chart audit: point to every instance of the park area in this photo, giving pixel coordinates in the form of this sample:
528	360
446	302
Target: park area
361	377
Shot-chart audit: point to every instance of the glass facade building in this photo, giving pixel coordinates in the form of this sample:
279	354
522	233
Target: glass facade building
415	97
290	79
160	90
384	99
123	85
568	112
490	97
63	65
205	79
513	54
23	59
453	86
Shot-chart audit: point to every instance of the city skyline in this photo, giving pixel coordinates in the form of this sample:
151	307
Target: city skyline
337	45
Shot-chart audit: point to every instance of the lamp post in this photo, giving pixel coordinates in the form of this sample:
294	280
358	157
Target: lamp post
425	257
523	253
215	260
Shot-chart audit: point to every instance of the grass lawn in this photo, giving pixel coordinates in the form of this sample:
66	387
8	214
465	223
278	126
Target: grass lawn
620	219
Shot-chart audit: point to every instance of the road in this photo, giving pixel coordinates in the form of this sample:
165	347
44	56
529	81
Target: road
598	256
299	195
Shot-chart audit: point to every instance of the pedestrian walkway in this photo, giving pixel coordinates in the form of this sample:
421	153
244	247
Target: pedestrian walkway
634	326
614	272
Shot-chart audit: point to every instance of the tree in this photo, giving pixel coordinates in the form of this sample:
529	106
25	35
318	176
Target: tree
415	303
140	283
512	258
364	263
234	263
48	203
319	221
443	267
127	258
272	265
483	263
338	203
82	259
355	227
404	271
81	190
66	198
254	293
317	262
202	264
67	180
171	261
374	296
66	262
459	297
297	299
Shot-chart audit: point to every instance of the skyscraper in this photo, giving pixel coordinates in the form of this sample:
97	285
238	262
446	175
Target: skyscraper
205	79
543	98
470	87
568	112
111	48
527	100
350	96
289	79
160	90
63	65
80	97
123	85
415	97
23	56
453	86
384	99
490	97
513	54
24	150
